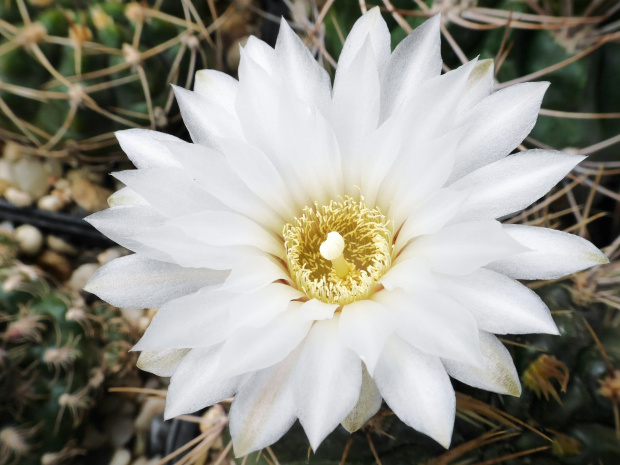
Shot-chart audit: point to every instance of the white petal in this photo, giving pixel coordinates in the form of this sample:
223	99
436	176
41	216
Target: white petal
407	186
326	382
264	408
413	181
225	228
462	248
144	148
297	69
554	254
415	59
204	120
377	156
261	53
258	173
260	105
196	383
268	345
479	85
370	25
193	253
196	320
308	156
252	274
368	404
295	137
365	326
417	389
259	308
434	323
497	125
499	304
139	282
255	103
431	216
513	183
217	177
409	275
125	196
314	309
123	223
171	191
217	87
428	152
497	373
355	111
161	362
431	108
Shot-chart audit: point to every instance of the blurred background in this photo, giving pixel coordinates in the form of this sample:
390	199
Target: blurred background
73	72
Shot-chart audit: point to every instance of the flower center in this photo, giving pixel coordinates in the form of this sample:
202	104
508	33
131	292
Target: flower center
337	252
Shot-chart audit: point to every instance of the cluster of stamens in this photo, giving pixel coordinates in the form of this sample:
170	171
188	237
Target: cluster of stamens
345	266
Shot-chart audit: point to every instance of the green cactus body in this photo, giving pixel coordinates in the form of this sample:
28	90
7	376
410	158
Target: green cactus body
72	74
55	353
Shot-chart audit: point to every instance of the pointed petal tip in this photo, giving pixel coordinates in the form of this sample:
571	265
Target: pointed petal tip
240	451
444	439
169	414
595	258
552	329
315	439
373	14
601	258
540	88
243	448
484	66
284	24
350	428
434	23
172	410
120	134
375	10
515	389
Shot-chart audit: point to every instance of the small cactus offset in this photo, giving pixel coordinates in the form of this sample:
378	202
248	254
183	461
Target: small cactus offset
56	356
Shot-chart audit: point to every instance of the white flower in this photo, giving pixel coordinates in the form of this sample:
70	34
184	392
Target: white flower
317	250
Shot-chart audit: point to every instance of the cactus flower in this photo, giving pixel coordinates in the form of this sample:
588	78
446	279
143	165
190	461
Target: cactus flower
320	248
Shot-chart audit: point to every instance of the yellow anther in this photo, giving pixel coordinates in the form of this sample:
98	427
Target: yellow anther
315	244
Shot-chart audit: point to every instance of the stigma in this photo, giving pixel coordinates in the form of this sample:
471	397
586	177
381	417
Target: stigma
332	249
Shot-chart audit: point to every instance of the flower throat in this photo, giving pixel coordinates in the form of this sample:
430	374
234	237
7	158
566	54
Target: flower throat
366	252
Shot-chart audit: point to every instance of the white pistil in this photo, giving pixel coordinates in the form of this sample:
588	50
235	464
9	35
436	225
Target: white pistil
332	249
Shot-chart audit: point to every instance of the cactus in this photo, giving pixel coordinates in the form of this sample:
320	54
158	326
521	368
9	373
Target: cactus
56	355
96	78
72	73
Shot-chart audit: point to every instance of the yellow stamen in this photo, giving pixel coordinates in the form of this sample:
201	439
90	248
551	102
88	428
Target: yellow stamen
315	244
